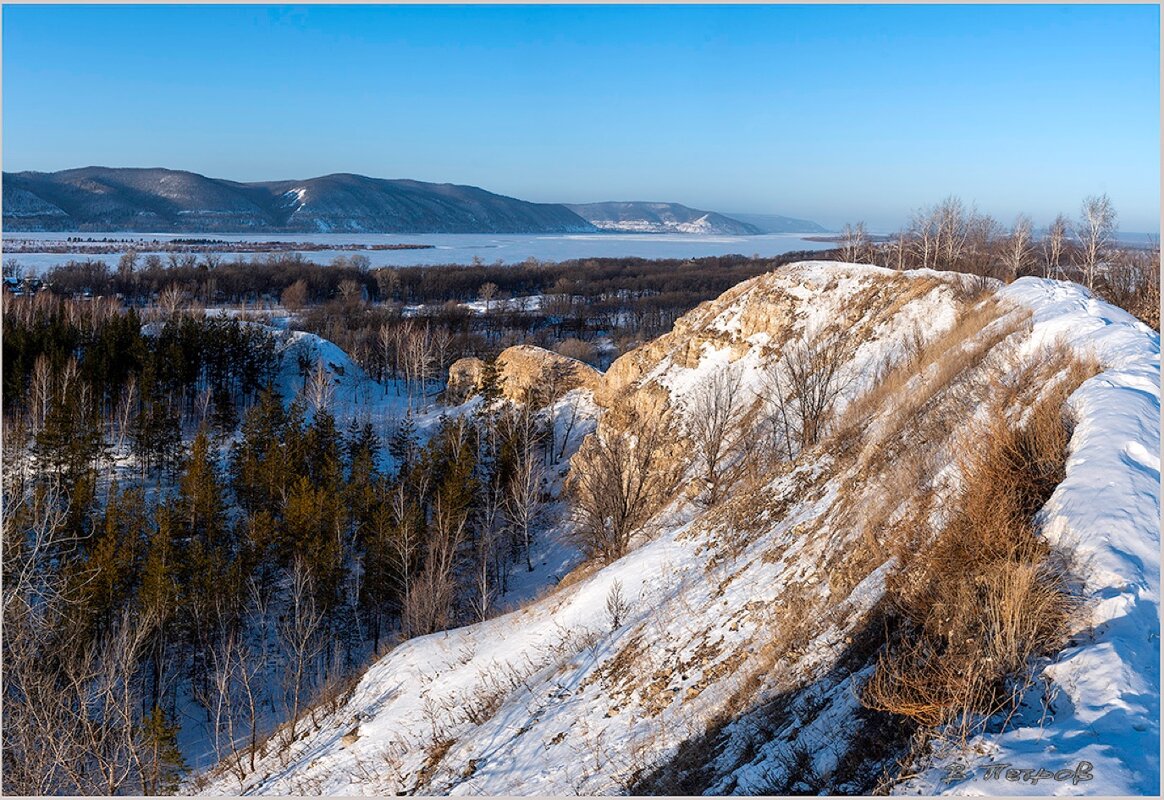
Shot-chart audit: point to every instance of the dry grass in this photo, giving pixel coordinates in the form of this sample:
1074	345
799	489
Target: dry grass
986	595
926	374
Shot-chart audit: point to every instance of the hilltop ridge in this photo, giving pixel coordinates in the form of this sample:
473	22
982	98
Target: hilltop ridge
749	627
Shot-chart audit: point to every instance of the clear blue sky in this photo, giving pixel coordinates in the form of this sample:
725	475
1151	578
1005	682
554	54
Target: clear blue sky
832	113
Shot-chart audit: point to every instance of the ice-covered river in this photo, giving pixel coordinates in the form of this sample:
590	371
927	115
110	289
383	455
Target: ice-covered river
445	248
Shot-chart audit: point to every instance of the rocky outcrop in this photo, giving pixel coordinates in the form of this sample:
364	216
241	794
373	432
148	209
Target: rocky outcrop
524	372
524	368
754	624
466	377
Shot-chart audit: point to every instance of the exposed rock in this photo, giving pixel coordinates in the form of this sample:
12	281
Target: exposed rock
466	376
525	368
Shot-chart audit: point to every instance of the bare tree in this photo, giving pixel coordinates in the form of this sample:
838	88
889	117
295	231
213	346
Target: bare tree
431	603
523	498
441	342
1018	247
1053	243
319	389
124	411
714	412
485	567
802	388
253	663
404	543
854	242
417	356
980	257
924	232
617	485
294	297
171	300
897	250
487	292
299	630
617	606
40	394
1095	230
388	282
351	291
952	230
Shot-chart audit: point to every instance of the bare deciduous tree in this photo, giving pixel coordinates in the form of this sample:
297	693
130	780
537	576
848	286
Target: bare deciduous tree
617	606
1018	247
487	292
319	389
619	481
854	242
294	297
1095	230
299	630
714	412
523	498
953	229
351	291
430	606
1053	243
802	388
171	300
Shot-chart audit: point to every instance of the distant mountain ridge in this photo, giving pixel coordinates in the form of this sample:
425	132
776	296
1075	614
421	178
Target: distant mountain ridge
647	217
775	223
163	200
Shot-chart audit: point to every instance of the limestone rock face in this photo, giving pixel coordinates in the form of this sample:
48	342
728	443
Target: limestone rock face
466	376
523	368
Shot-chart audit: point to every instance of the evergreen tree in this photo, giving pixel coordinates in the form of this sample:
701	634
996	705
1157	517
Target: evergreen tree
163	765
200	498
162	574
108	575
402	446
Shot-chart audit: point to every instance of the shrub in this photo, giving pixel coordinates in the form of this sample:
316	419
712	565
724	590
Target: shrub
987	594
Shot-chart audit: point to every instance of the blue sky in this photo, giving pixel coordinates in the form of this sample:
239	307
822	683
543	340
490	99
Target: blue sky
834	113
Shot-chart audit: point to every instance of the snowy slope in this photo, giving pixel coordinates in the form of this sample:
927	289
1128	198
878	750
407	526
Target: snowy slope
1100	701
751	626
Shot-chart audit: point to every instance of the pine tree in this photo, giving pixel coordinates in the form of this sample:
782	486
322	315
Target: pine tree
224	416
256	463
108	575
201	500
159	595
163	766
402	446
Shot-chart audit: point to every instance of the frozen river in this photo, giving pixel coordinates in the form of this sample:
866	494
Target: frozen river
445	248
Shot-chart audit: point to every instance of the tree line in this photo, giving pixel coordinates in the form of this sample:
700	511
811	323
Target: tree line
949	235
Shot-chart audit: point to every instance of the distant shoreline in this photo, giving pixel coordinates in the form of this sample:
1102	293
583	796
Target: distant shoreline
74	245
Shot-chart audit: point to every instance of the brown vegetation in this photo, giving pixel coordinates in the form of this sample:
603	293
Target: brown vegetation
617	482
986	594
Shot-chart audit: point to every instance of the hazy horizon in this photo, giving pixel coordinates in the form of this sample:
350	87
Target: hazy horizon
828	113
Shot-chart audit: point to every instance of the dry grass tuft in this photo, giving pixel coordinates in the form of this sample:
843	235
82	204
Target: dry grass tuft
987	594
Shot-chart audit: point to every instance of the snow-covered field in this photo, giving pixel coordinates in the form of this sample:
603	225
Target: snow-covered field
734	609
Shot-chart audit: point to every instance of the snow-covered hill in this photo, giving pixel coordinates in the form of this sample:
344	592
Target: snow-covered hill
641	217
748	628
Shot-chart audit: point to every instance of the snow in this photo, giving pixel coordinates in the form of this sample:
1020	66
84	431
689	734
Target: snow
1102	694
564	704
531	302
